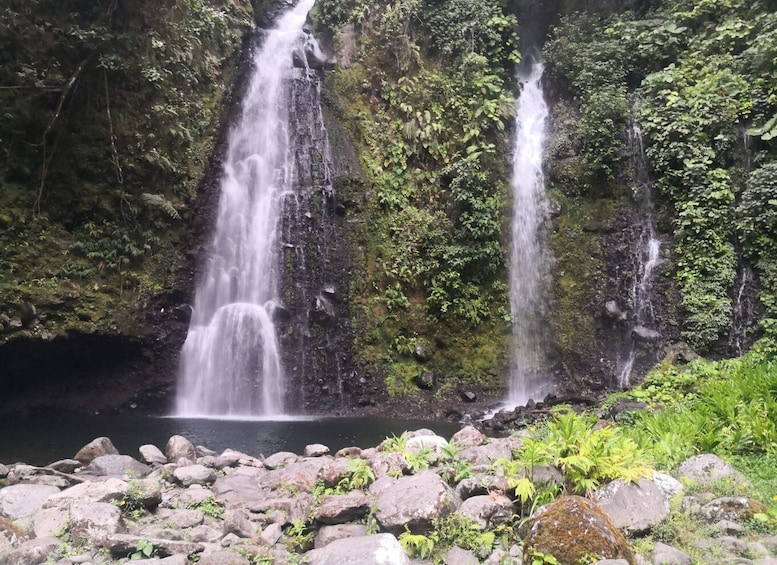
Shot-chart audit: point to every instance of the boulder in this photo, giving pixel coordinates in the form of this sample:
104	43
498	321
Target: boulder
573	528
378	549
178	447
707	467
412	502
49	522
634	507
91	491
95	448
433	442
223	557
93	522
315	450
328	534
194	475
280	459
64	465
152	455
663	554
459	556
20	501
270	535
116	466
487	511
668	484
36	550
738	509
468	436
237	522
338	509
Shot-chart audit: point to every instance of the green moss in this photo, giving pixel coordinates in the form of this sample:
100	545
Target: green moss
579	272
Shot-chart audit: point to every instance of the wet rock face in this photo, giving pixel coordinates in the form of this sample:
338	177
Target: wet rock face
315	333
573	529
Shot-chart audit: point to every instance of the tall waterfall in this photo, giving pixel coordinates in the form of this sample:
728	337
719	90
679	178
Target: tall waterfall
231	360
528	379
646	257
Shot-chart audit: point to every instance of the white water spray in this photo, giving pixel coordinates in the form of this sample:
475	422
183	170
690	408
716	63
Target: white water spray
646	258
230	362
528	378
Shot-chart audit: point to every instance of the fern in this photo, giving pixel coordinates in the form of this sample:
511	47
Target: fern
160	202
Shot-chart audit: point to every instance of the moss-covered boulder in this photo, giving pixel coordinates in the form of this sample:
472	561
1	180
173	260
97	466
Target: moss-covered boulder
573	529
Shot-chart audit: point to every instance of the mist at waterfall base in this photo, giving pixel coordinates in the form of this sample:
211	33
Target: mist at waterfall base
44	439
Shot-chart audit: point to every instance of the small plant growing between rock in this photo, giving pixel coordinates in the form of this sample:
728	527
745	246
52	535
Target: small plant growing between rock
210	507
131	504
539	558
395	444
418	545
299	536
144	550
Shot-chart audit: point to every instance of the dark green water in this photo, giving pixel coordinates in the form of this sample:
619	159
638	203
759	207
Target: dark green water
45	438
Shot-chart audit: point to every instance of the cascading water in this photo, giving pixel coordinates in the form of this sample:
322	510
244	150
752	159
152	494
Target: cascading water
528	378
645	259
231	361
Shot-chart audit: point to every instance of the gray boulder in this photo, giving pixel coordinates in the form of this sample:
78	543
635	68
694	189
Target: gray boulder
663	554
178	447
707	468
315	450
459	556
468	436
634	507
48	522
194	475
280	459
152	455
20	501
116	466
378	549
95	448
36	550
412	502
338	509
93	522
90	491
328	534
738	509
487	511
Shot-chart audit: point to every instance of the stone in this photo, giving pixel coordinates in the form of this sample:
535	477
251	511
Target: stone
223	557
707	468
611	562
116	466
64	465
31	552
486	454
338	509
668	484
378	549
480	485
388	464
412	502
49	522
425	380
323	310
95	521
633	507
95	448
270	535
237	521
572	528
204	534
468	396
186	518
121	545
90	491
459	556
179	447
737	509
328	534
152	455
280	459
315	450
20	501
194	475
730	528
433	442
468	436
664	554
486	510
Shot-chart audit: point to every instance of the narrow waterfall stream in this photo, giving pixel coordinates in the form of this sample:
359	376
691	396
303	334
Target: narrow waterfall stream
231	360
528	372
646	257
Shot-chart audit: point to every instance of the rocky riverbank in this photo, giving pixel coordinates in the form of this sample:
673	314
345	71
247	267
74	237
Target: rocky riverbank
453	501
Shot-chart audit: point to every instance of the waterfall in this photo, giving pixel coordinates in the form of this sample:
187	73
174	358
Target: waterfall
528	371
645	257
231	359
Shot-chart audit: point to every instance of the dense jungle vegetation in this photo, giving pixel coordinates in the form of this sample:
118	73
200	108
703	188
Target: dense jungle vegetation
111	108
